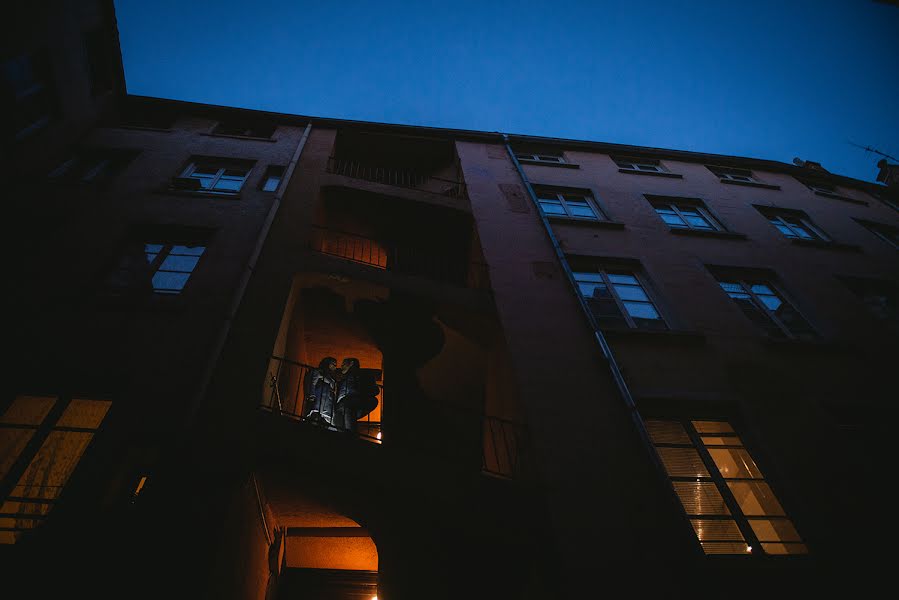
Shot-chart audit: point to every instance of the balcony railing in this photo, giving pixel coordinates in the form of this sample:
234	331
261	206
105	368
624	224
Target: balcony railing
502	443
406	260
397	177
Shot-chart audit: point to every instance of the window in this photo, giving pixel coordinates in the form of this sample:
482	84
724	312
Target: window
98	50
685	214
44	440
793	224
820	187
272	178
880	297
28	84
222	176
640	164
733	174
766	307
159	262
543	157
92	165
574	204
732	508
244	129
885	232
618	299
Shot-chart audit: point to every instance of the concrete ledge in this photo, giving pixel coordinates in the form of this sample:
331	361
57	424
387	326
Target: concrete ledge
652	173
756	184
727	235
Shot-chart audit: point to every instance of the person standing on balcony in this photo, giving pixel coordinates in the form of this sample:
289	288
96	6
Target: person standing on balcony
320	388
356	395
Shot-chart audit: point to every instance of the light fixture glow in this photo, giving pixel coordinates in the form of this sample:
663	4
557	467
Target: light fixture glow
379	437
748	548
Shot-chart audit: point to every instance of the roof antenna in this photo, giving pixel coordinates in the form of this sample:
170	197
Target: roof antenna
874	150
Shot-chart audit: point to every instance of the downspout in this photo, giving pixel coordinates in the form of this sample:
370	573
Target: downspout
237	298
620	383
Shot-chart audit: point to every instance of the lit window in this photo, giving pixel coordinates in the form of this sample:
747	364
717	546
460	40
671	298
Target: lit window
733	174
220	176
731	506
766	307
29	87
646	165
64	429
885	232
617	298
686	214
560	203
156	263
541	158
272	178
793	224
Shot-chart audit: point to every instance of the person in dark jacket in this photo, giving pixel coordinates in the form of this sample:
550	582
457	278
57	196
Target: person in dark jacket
356	395
320	388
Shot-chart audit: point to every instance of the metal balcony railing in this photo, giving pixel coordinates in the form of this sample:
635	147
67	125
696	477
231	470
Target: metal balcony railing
397	177
406	260
502	442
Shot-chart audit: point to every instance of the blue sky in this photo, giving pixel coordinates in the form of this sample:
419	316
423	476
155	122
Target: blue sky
768	79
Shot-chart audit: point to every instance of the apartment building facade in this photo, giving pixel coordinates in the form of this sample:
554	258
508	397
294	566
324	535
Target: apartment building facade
590	368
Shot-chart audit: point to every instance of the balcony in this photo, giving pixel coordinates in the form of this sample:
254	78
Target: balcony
411	260
397	177
455	434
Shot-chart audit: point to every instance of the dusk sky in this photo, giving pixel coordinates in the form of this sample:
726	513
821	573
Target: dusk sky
767	79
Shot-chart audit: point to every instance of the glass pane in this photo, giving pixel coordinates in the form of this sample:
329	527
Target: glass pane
699	222
184	264
552	208
771	302
205	171
803	233
603	308
667	432
673	220
52	465
84	413
205	181
153	248
271	184
580	276
725	548
594	290
774	530
28	410
166	282
730	440
648	168
641	310
755	498
229	184
735	463
700	498
621	278
785	548
631	292
682	462
712	426
758	288
717	529
12	442
729	286
581	211
794	322
188	250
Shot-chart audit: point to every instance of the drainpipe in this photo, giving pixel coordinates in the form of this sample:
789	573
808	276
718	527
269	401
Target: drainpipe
620	383
245	278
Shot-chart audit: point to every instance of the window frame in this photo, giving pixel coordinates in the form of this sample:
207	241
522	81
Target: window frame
603	272
755	547
540	157
737	174
586	196
746	282
781	216
632	163
676	204
222	165
875	227
269	174
92	166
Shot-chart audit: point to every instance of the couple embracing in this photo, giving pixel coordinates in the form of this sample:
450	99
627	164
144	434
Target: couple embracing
339	396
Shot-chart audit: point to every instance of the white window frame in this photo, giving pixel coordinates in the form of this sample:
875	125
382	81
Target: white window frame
558	196
676	207
551	159
727	174
604	272
746	286
783	218
645	165
194	164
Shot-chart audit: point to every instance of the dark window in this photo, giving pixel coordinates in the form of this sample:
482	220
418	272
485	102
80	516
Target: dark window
618	298
765	306
732	508
157	262
48	435
881	298
733	174
793	224
92	165
685	214
217	175
569	203
244	129
885	232
28	85
98	49
639	164
544	157
272	179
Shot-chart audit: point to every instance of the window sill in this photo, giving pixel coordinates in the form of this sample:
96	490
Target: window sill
843	198
240	137
673	336
827	245
756	184
540	163
170	191
728	235
652	173
588	222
